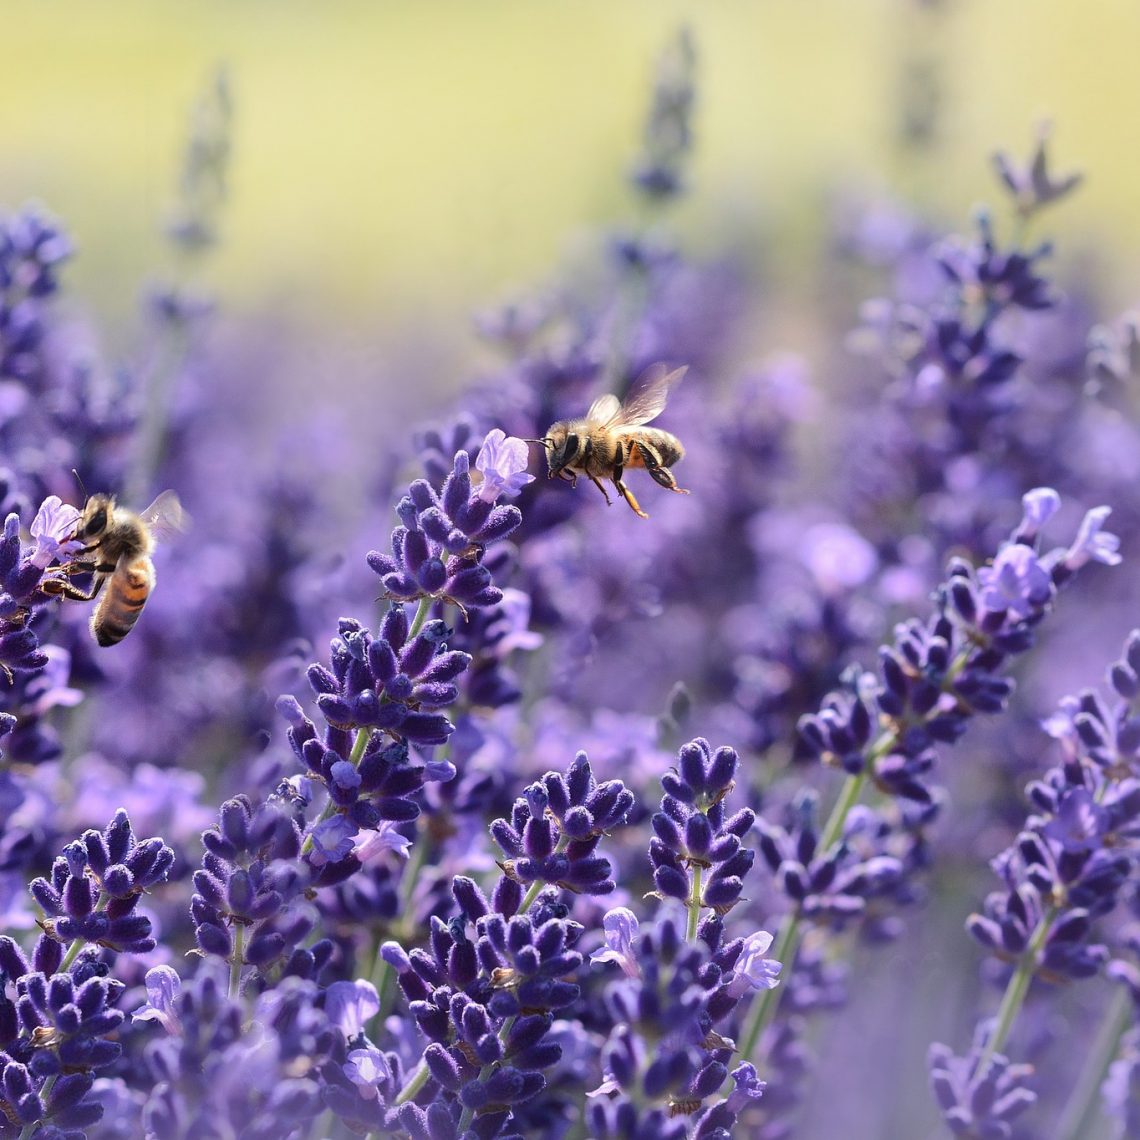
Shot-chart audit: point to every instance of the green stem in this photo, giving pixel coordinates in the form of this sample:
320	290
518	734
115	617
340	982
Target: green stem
1076	1120
1015	991
694	904
784	951
72	954
422	611
236	960
790	935
416	1082
848	797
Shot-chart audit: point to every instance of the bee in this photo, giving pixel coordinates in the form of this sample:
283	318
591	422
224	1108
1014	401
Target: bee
611	437
117	545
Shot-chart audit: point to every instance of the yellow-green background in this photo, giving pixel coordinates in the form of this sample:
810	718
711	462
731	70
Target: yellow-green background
403	159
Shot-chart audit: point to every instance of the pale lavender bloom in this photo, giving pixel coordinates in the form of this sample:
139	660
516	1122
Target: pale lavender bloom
163	986
1038	507
620	926
333	839
366	1068
351	1005
502	461
1016	582
753	970
370	845
52	529
1092	544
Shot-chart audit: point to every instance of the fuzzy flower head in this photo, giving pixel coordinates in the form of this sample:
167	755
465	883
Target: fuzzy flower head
502	462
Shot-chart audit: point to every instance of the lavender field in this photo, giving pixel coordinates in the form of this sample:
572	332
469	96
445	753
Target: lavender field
402	790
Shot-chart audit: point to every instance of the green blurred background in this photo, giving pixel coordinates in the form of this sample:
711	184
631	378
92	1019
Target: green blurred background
399	159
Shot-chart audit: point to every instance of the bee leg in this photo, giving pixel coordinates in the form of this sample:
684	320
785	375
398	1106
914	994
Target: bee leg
570	477
657	470
61	587
598	483
626	493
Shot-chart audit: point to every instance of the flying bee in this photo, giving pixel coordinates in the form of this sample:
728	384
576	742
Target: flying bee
117	545
612	437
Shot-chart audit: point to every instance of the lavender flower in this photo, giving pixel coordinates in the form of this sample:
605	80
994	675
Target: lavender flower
437	551
692	834
502	462
979	1101
96	885
556	826
680	992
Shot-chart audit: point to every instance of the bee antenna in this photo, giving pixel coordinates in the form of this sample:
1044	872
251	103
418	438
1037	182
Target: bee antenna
542	441
82	489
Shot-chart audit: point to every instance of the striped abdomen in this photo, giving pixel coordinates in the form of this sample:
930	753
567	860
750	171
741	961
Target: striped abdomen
664	447
123	599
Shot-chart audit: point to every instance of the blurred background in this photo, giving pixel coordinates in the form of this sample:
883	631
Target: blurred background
397	165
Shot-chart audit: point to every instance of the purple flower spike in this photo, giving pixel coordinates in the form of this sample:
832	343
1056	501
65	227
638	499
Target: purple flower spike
556	826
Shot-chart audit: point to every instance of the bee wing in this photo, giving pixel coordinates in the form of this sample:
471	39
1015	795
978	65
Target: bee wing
604	410
647	397
165	516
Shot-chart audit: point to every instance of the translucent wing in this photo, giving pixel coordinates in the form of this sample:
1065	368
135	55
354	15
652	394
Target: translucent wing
646	399
165	516
604	410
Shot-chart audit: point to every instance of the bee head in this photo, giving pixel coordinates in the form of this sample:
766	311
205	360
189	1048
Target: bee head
563	444
96	517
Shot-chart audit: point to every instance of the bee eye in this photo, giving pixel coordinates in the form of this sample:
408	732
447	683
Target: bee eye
571	445
97	522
